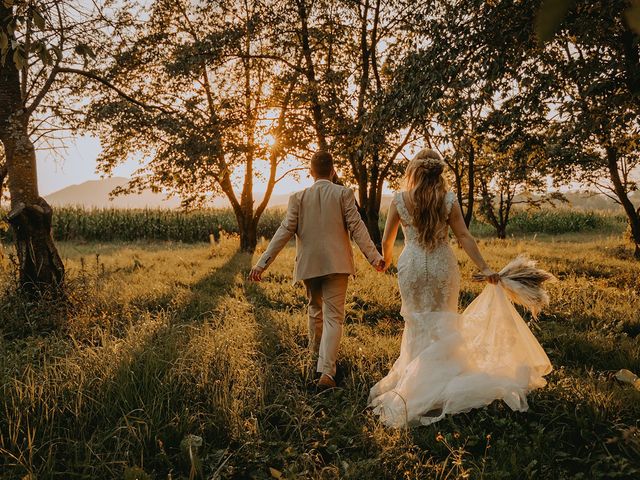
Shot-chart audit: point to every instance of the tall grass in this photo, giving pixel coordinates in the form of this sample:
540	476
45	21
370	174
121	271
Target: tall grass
166	341
557	221
108	225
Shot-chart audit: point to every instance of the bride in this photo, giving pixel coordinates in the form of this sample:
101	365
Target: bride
448	363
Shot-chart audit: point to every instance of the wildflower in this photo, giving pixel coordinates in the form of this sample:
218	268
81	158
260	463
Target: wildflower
439	437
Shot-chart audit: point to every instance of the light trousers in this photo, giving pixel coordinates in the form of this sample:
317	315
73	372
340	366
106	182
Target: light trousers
326	297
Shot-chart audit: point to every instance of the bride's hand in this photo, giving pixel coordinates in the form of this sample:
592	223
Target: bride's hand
492	277
387	263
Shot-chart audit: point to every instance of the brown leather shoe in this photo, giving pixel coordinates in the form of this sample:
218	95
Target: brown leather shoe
326	382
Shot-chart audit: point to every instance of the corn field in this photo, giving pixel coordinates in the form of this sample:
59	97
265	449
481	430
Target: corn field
79	224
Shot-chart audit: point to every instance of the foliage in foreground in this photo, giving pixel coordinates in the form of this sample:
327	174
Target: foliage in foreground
162	342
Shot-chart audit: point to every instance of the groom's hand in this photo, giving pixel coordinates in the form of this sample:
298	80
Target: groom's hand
380	265
256	274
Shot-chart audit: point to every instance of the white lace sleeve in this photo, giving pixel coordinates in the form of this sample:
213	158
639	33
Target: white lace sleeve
402	210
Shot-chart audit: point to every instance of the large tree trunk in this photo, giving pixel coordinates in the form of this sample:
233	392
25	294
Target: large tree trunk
40	265
371	218
248	228
369	198
373	226
621	192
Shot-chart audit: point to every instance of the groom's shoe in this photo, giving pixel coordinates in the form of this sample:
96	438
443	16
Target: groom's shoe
326	382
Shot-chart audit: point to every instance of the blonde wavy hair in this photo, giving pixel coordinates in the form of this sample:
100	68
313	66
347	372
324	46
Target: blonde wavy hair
428	187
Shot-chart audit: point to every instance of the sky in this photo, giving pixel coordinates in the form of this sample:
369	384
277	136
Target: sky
78	165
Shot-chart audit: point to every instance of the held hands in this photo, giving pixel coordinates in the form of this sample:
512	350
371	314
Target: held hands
255	275
380	265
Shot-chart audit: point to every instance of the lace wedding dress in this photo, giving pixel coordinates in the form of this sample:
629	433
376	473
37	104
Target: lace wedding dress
451	362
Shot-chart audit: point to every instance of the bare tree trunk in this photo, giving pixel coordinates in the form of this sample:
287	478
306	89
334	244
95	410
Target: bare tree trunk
30	217
248	228
471	170
458	169
621	192
372	206
498	221
373	226
309	71
40	265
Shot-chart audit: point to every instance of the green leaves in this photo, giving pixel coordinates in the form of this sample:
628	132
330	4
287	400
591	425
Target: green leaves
549	18
38	19
19	58
84	50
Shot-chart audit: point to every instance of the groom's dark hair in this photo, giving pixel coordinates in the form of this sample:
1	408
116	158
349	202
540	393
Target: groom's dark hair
322	163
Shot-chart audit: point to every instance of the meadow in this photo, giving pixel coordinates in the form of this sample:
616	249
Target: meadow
166	363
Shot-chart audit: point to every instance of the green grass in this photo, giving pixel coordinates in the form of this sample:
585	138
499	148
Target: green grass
125	225
165	340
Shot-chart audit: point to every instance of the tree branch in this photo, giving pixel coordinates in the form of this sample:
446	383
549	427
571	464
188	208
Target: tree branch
396	152
296	169
54	71
111	86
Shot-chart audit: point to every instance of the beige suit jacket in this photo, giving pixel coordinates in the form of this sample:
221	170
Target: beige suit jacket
321	217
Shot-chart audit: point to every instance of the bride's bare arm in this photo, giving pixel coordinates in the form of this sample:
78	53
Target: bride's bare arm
468	243
390	234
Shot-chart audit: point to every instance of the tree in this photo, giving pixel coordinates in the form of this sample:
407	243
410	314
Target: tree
209	104
471	61
595	62
42	45
513	176
24	28
349	50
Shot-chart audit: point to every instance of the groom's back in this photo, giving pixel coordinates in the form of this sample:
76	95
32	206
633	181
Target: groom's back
322	238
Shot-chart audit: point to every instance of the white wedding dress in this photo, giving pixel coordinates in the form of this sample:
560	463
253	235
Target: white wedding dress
450	362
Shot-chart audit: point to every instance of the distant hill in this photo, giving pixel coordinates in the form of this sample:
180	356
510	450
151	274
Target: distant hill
595	201
95	194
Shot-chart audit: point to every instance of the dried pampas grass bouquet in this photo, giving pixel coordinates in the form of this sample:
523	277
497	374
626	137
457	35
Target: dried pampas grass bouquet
523	283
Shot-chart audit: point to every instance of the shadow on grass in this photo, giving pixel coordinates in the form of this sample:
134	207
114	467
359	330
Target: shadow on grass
303	431
134	410
593	350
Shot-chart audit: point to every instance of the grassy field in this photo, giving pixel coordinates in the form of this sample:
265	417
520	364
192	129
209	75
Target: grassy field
162	341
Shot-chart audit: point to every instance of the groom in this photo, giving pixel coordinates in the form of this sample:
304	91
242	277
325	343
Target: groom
322	218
